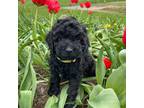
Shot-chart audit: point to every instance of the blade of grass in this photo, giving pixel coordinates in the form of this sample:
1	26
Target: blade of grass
34	81
26	81
100	68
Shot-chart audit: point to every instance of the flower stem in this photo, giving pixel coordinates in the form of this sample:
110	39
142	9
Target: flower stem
52	19
34	36
34	23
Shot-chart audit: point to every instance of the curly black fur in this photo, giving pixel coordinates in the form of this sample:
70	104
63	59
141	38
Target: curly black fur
68	40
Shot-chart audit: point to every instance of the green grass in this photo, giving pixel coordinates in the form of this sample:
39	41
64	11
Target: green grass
95	18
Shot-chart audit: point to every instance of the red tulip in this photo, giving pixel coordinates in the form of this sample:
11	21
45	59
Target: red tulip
124	37
90	12
88	4
53	6
82	5
23	1
39	2
107	62
74	1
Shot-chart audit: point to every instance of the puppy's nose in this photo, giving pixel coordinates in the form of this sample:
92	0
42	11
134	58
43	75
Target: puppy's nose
68	49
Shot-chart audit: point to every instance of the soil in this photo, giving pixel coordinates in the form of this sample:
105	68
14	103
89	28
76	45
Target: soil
41	95
42	88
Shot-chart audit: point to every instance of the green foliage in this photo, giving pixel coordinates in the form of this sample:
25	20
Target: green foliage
122	56
25	100
29	82
80	96
52	102
26	81
117	81
63	97
103	98
100	70
87	88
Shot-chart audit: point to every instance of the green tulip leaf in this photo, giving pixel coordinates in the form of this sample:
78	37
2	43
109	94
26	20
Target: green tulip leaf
117	81
122	56
63	97
100	68
52	102
25	99
103	98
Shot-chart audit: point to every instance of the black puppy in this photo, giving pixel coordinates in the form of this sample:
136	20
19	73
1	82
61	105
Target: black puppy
69	57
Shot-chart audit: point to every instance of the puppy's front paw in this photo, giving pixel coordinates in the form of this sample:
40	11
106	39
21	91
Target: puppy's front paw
53	91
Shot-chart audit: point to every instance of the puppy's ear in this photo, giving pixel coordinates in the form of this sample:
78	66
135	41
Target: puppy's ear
85	35
86	42
49	41
84	28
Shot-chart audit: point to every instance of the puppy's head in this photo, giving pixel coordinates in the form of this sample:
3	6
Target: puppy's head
68	39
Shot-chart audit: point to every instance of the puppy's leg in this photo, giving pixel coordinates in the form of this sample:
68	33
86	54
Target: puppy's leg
54	88
74	83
